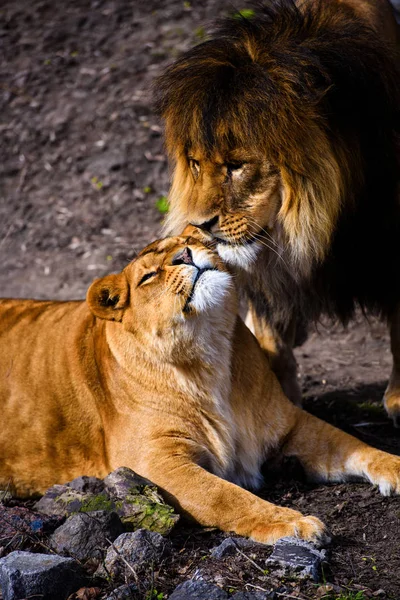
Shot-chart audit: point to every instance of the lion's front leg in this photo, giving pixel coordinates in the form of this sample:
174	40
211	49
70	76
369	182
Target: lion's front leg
278	344
391	398
329	454
212	501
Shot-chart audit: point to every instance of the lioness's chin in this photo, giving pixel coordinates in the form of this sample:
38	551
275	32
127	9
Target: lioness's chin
211	290
243	256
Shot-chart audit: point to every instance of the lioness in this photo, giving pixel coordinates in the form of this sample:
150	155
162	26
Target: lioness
283	130
157	372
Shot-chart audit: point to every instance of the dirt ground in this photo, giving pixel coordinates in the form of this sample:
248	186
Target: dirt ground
82	167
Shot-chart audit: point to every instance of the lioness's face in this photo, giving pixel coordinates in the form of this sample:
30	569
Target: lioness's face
170	282
233	196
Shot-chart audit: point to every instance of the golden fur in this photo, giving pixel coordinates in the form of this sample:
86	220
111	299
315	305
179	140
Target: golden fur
155	371
283	131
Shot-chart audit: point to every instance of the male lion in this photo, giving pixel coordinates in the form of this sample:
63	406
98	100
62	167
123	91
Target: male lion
284	132
157	372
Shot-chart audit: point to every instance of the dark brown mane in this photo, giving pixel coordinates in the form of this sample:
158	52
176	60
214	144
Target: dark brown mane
303	85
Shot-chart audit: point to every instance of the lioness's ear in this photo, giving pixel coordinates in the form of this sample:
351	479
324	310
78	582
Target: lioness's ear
108	297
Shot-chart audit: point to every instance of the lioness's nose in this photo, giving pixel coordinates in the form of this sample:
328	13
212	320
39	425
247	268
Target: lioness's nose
207	225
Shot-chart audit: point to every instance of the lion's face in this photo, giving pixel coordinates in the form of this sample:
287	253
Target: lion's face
171	282
233	196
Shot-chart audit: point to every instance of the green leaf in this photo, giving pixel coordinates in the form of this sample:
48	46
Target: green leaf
162	205
245	13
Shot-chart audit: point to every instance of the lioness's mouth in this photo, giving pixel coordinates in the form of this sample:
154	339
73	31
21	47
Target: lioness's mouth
199	273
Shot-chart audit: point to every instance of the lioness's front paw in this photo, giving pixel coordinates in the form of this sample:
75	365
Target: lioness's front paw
385	473
307	528
391	402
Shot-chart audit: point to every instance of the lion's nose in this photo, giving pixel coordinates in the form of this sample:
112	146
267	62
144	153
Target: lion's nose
207	225
184	258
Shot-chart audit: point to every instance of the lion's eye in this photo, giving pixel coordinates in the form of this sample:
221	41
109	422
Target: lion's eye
146	277
194	166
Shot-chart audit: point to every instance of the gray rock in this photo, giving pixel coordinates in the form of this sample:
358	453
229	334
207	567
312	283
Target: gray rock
134	499
298	556
85	535
198	590
138	549
124	592
87	485
138	502
255	596
230	545
124	481
64	500
44	576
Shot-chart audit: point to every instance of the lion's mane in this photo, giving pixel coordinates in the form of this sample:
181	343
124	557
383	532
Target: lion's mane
317	91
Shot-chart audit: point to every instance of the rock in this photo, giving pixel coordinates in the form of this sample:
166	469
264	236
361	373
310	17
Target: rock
255	596
299	556
44	576
134	499
230	545
87	485
124	592
139	503
139	549
18	521
124	481
65	500
85	535
198	590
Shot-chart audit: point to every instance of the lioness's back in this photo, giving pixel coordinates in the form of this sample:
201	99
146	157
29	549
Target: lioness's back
44	360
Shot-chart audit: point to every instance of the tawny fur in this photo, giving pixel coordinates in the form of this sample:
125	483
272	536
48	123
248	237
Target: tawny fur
155	371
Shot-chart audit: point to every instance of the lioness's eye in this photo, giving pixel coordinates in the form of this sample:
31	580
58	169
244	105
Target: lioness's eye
146	277
194	166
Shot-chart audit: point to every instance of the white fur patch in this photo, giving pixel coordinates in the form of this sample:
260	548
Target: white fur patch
211	289
239	256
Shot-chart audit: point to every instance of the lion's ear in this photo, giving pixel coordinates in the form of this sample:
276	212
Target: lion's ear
108	297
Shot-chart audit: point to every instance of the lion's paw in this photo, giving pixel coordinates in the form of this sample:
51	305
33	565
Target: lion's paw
391	402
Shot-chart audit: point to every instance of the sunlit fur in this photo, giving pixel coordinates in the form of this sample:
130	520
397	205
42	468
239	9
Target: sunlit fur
306	96
152	374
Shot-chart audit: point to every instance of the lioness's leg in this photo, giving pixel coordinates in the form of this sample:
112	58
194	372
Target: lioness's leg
279	348
392	394
329	454
212	501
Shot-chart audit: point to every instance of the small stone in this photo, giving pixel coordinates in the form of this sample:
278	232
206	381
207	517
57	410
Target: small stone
198	590
230	545
124	592
139	548
87	485
255	596
85	535
379	593
45	576
299	556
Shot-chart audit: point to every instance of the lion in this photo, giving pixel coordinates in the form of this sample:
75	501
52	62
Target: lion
283	130
157	372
